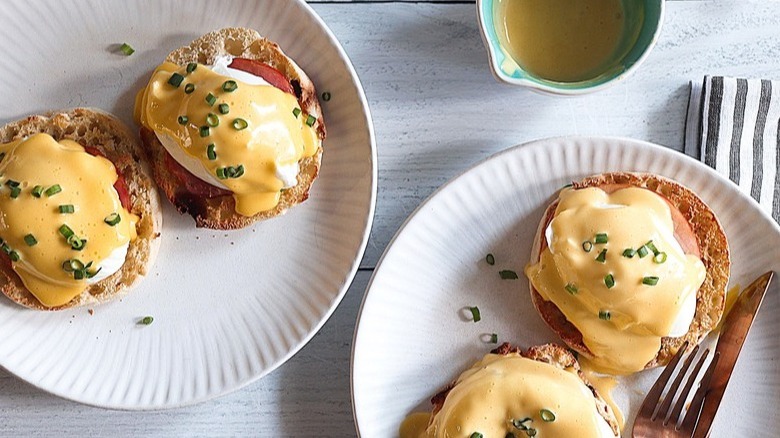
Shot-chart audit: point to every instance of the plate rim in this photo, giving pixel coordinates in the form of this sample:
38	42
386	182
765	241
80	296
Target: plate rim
640	144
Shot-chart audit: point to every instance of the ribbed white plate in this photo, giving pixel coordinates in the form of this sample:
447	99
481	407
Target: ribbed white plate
228	307
412	338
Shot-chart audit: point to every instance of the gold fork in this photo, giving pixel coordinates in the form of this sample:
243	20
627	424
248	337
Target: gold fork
655	419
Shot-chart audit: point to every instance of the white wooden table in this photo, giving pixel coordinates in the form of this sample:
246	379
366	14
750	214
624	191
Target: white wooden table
436	110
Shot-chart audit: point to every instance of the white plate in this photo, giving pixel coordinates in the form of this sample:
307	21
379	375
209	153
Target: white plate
228	307
411	339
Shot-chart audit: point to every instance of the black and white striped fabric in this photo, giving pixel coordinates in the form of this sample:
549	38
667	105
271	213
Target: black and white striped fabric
732	126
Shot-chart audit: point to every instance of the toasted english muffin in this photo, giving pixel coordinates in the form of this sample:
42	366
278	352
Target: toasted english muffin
219	212
551	354
698	226
97	129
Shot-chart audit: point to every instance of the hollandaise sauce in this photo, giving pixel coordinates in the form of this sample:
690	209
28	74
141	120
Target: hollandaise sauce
504	394
564	40
60	216
612	265
227	132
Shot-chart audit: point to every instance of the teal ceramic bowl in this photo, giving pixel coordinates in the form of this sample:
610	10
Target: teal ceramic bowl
647	15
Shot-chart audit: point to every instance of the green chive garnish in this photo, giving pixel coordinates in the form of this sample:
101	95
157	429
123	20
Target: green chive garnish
146	320
212	120
609	281
6	249
221	173
112	219
189	88
650	281
30	240
79	275
642	251
211	152
310	120
15	191
66	231
531	432
605	315
204	131
476	435
587	246
240	124
67	209
229	86
53	190
520	424
211	99
296	112
628	252
651	247
14	256
127	49
326	96
507	274
660	258
176	80
493	338
547	415
183	120
191	67
601	238
490	259
571	288
11	183
223	108
475	316
76	243
239	171
37	191
602	257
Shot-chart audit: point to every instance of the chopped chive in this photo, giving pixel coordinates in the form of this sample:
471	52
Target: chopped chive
602	257
176	80
14	256
6	249
204	131
605	315
15	191
212	120
53	190
609	281
601	238
547	415
476	435
91	274
475	316
79	275
507	274
66	231
37	191
660	258
520	424
240	124
239	171
12	183
490	259
642	251
531	432
211	99
30	240
127	49
183	120
310	119
650	281
652	247
628	252
571	288
587	246
191	67
223	108
494	338
230	171
112	219
76	243
229	86
211	152
189	88
221	173
326	96
146	320
67	208
567	186
296	112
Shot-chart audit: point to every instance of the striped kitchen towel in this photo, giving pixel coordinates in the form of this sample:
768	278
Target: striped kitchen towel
732	126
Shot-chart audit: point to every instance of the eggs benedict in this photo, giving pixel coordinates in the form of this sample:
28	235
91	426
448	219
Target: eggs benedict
626	267
79	217
233	127
537	393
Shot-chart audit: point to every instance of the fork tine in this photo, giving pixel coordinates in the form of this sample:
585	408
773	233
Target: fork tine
652	397
675	414
663	411
692	416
